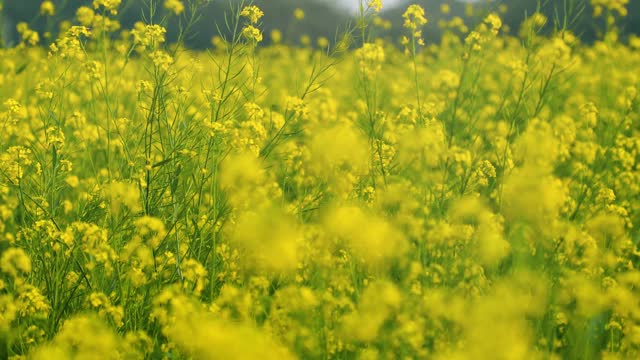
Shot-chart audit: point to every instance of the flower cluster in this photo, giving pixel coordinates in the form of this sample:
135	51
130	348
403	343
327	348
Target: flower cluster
253	13
414	18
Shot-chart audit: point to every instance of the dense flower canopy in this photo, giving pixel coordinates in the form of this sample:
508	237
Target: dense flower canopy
349	198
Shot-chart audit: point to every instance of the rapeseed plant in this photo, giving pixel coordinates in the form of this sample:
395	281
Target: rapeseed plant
476	197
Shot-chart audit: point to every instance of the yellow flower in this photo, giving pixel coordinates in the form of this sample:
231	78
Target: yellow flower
305	40
109	5
8	311
253	13
15	109
161	60
85	15
47	8
195	274
80	337
276	36
122	193
72	181
28	36
151	229
323	42
414	17
370	237
252	34
376	304
619	6
148	36
175	6
494	21
298	14
375	5
15	261
297	106
98	299
371	57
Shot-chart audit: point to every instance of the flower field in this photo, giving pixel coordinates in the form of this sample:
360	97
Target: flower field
470	197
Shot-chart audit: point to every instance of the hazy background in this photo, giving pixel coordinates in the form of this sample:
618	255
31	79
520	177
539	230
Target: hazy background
323	17
352	5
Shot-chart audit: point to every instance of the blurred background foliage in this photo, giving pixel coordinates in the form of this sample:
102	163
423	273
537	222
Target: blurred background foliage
326	18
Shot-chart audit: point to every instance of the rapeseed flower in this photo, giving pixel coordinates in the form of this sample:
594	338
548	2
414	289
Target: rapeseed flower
175	6
15	261
47	8
252	34
374	5
414	18
109	5
253	13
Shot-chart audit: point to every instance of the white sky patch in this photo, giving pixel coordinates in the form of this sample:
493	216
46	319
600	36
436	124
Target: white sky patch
352	5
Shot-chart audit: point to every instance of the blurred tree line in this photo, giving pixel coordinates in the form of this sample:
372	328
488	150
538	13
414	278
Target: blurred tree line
323	18
576	14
